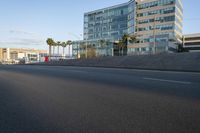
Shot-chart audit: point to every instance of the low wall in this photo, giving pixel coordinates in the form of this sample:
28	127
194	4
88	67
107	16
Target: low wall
174	62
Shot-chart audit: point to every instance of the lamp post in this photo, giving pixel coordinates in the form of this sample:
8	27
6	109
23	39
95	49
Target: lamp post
154	35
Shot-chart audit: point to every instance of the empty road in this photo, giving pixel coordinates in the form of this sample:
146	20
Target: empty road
42	99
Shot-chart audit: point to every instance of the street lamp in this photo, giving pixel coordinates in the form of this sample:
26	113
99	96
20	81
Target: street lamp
154	35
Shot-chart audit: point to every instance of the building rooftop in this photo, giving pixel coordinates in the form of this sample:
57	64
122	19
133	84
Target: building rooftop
106	8
192	35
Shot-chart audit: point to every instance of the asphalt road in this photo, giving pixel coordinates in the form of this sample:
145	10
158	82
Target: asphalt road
41	99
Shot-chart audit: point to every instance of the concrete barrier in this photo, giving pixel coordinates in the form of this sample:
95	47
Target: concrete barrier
173	62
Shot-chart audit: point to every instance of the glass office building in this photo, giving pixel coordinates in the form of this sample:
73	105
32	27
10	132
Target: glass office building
157	25
103	27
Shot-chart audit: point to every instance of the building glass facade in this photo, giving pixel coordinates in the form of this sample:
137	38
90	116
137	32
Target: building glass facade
131	17
108	23
98	47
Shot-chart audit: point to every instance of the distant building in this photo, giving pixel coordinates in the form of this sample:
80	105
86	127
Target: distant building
1	55
14	55
191	42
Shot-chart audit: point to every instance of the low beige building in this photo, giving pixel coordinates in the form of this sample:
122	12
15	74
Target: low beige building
191	42
14	55
1	54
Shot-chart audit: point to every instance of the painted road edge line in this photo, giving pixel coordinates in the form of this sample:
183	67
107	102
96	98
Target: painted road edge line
170	81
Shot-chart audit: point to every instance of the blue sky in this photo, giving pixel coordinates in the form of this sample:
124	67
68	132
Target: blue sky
27	23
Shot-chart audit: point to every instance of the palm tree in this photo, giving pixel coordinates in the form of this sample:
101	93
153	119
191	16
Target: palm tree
54	45
125	40
69	43
50	42
120	47
123	43
63	44
132	39
58	46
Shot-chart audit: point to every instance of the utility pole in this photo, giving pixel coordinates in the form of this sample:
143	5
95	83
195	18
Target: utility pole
154	35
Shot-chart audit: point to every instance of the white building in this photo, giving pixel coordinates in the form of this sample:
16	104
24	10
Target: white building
15	55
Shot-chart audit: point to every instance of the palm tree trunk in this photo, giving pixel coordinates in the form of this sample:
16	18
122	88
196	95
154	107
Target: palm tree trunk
107	51
49	52
63	52
53	50
77	51
66	51
69	52
58	52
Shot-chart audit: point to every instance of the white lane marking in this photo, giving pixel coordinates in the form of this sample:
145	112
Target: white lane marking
66	70
171	81
77	71
135	69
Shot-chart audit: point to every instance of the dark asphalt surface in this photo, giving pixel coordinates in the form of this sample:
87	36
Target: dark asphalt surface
41	99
